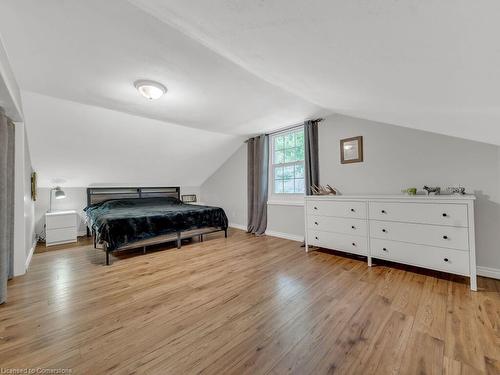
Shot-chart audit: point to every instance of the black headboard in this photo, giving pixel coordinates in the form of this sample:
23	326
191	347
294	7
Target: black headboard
99	194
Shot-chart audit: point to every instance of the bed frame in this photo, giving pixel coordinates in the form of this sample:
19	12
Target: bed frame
99	194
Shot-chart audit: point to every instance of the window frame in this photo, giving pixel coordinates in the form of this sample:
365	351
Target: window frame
283	198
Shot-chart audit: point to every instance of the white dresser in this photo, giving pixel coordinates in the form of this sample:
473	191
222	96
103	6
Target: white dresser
60	227
435	232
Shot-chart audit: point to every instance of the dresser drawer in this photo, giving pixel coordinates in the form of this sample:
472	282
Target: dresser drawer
337	241
432	235
60	235
60	221
356	227
437	258
424	213
337	209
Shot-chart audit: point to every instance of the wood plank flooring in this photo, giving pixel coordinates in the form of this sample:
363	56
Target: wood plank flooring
245	305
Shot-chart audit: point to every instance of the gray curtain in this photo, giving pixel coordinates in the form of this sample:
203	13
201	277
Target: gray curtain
311	154
6	203
258	175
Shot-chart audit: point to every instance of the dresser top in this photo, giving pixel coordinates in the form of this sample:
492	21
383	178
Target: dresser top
394	197
57	213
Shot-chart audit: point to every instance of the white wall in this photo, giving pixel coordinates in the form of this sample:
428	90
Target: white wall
227	188
395	158
29	204
76	199
23	205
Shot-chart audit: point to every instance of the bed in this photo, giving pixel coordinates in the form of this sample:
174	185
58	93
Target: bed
126	218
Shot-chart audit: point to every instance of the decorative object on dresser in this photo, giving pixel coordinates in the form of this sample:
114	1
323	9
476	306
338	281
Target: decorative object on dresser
435	232
410	191
60	227
460	190
351	150
188	198
322	190
432	190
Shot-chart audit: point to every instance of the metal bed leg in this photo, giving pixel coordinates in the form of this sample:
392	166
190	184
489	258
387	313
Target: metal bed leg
107	254
95	239
201	237
178	240
144	249
225	232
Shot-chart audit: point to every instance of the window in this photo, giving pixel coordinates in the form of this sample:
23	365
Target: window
287	162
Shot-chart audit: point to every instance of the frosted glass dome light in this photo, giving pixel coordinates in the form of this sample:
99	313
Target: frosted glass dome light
150	89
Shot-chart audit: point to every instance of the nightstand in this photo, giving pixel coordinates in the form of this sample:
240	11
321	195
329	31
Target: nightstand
60	227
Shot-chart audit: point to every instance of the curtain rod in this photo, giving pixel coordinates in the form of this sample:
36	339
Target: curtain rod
289	127
292	126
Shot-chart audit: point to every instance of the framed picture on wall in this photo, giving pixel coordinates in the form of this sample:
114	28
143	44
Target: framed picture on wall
351	150
33	186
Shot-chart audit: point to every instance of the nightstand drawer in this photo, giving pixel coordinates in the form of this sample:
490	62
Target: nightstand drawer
56	221
61	235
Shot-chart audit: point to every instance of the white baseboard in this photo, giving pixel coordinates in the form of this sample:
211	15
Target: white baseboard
287	236
494	273
238	226
30	255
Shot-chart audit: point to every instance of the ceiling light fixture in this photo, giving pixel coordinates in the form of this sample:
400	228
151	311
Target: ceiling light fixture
150	89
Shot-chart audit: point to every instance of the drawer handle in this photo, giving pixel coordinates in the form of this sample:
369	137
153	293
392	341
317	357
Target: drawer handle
445	237
445	214
353	227
316	237
352	209
385	249
354	244
315	207
316	222
383	211
446	259
383	230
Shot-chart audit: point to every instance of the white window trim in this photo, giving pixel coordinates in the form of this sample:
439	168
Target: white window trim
282	202
290	199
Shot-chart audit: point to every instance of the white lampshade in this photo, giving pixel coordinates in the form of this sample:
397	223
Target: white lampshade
60	194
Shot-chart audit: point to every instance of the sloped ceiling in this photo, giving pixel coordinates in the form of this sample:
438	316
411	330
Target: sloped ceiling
92	51
73	144
431	65
235	68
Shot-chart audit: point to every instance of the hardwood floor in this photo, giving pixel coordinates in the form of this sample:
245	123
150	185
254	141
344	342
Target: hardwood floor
245	305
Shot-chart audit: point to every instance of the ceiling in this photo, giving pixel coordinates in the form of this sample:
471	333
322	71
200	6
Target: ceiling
431	65
92	51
